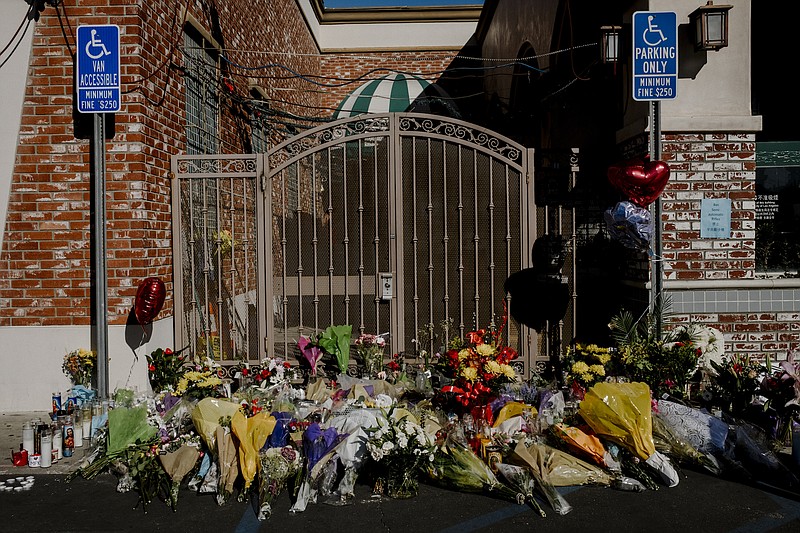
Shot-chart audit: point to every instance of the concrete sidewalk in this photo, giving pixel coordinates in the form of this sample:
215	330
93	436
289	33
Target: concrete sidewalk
11	440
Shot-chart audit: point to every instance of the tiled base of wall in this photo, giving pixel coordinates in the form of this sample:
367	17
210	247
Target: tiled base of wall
755	321
754	330
781	300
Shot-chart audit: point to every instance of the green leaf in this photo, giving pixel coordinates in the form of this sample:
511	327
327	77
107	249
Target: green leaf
336	341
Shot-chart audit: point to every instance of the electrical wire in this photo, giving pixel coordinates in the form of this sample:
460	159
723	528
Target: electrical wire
21	24
63	31
365	76
19	41
168	61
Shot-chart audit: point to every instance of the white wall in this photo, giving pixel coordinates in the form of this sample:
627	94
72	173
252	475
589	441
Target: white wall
31	357
12	88
402	35
718	96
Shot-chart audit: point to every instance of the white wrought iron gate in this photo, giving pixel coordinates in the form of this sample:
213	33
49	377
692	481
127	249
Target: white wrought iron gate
396	224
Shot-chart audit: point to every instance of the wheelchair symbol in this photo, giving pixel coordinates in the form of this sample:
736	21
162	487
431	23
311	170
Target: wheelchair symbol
655	34
97	45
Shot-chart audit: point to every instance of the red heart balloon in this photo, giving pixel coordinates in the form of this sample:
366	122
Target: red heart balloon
642	181
149	299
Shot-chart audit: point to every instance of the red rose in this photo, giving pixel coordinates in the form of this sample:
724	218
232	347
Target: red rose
245	371
287	364
168	351
151	368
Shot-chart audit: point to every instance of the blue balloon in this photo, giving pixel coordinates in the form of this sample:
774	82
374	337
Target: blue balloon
630	224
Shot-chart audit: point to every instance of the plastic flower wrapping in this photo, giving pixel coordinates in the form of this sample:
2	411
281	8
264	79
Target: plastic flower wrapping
455	466
399	447
370	349
278	466
487	431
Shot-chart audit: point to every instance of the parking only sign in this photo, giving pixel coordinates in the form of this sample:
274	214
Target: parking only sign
97	80
655	55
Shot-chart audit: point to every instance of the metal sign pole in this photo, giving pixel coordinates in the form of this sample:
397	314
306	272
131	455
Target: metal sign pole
98	91
100	293
656	270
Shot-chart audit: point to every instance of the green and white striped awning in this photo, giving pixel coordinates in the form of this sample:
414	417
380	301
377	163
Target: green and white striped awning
388	94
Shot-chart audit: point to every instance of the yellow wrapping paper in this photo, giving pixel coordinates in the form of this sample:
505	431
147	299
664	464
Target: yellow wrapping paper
621	413
252	433
206	416
584	445
558	468
512	409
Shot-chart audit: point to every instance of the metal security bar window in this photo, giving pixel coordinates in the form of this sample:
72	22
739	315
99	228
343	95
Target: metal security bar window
202	99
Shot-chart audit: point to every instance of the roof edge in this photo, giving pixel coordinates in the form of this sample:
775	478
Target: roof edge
365	15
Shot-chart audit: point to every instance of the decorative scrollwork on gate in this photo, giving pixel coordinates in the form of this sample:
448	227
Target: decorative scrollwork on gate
339	132
462	132
216	165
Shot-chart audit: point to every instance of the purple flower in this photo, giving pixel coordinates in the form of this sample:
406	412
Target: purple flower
310	351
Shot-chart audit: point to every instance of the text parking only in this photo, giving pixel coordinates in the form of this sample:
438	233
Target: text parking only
98	69
655	55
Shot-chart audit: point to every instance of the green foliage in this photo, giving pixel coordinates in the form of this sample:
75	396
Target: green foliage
736	381
165	368
335	340
665	364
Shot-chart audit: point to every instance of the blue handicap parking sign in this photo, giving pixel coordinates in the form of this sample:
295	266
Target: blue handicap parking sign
655	55
97	77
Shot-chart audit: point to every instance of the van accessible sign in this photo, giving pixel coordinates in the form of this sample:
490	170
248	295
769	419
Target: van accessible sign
655	55
97	75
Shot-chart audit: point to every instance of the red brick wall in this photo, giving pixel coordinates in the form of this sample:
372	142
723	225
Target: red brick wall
705	167
720	165
371	65
45	262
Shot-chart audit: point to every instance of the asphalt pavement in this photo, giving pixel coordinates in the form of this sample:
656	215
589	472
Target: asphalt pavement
46	501
699	502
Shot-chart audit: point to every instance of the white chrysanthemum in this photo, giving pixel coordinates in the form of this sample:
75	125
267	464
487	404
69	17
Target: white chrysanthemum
485	350
387	446
383	401
402	440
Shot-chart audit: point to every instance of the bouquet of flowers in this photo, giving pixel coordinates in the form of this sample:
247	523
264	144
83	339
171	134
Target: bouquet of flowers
370	349
399	447
455	466
78	366
200	381
735	383
198	384
479	367
586	364
278	466
165	368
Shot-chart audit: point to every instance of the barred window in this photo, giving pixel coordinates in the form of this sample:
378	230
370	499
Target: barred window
202	99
